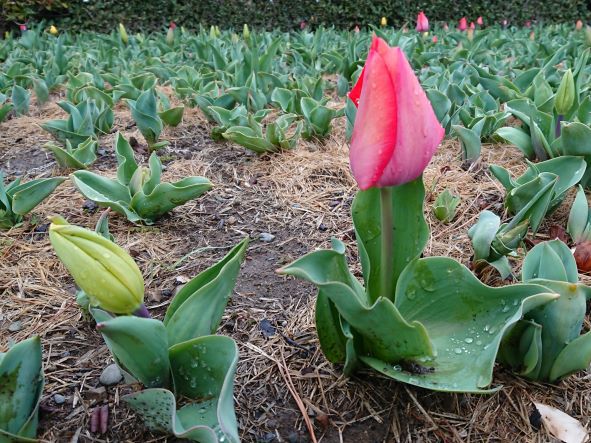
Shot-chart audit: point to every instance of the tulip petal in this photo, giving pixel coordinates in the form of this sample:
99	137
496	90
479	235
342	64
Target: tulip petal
355	93
418	133
374	133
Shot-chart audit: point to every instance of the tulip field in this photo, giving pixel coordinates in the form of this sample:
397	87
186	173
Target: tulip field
368	235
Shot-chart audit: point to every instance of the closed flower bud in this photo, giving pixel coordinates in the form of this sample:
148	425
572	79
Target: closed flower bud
245	31
53	30
138	180
384	21
103	270
123	34
565	96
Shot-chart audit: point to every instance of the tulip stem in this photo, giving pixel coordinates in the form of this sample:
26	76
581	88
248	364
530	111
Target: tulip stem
142	311
387	256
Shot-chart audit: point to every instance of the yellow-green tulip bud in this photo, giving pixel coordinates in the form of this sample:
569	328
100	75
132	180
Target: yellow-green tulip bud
139	179
53	30
212	33
108	275
123	34
245	31
565	95
218	33
384	21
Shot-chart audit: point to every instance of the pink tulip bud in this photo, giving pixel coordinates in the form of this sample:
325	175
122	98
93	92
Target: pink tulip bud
172	25
396	131
303	24
434	39
422	22
579	25
528	24
472	25
22	27
479	21
356	30
463	24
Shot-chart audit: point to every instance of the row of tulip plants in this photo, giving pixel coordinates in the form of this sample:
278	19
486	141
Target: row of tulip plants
429	321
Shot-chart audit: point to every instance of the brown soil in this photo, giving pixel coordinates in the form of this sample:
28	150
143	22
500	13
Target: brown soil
301	197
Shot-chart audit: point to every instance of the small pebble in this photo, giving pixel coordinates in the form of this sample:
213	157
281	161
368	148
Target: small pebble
111	375
266	237
15	326
59	399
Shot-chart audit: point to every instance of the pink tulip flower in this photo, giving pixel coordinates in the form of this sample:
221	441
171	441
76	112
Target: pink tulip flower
422	22
396	131
463	24
479	21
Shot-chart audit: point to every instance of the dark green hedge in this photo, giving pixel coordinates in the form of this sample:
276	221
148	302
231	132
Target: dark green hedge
103	15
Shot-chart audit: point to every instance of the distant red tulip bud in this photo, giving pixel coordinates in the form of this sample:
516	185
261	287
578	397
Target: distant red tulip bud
463	24
396	131
434	39
479	21
422	22
303	24
172	25
22	27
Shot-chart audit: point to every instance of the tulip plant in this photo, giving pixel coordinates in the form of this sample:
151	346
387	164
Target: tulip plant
579	219
18	199
137	192
547	344
21	386
144	111
393	322
445	206
173	359
79	157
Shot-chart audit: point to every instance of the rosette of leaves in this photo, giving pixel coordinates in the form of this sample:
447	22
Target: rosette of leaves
445	206
544	183
137	192
283	133
21	386
438	328
180	358
87	119
145	113
547	345
18	199
227	118
79	157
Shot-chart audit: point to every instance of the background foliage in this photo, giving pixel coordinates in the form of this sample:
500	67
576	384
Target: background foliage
103	15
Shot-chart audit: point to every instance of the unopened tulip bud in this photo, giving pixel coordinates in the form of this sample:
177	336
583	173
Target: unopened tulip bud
479	21
103	270
170	36
123	34
53	30
434	39
22	27
579	25
356	30
565	95
245	32
384	21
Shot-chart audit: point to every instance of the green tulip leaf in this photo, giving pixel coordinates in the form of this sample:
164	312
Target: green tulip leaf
140	345
465	320
198	307
28	195
173	116
21	386
576	356
519	138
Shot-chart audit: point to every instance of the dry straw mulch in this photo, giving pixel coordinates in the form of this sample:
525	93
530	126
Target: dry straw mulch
284	385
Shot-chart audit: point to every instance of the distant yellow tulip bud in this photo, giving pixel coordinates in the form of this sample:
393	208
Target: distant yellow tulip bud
245	31
53	30
123	34
565	95
218	33
108	275
384	21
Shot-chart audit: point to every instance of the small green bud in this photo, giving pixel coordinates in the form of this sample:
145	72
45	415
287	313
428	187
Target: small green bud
103	270
245	32
138	180
123	34
565	95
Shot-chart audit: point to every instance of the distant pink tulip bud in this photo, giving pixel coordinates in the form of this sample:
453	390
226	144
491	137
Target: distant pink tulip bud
528	24
396	131
22	27
434	39
579	25
463	24
422	22
172	25
479	21
303	24
356	30
472	25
